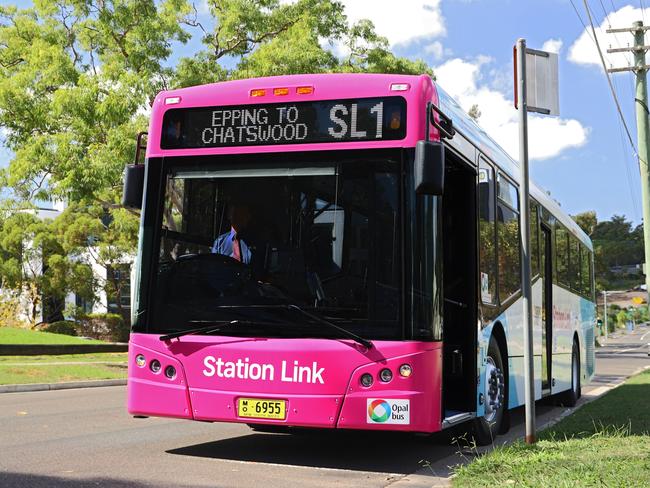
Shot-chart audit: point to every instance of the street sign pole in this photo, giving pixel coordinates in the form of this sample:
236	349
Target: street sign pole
524	205
605	312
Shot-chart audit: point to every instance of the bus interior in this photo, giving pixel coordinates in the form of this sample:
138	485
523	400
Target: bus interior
459	238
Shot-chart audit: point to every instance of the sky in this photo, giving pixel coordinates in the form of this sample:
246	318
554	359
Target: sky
581	157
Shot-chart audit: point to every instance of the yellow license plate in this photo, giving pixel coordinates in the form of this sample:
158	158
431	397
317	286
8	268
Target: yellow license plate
258	408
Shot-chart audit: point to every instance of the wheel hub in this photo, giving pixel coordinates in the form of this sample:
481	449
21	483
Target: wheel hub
494	382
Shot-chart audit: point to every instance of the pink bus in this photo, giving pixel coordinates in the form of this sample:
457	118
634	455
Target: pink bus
341	251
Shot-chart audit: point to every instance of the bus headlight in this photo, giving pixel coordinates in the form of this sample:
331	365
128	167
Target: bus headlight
155	366
140	361
405	370
385	375
170	372
366	380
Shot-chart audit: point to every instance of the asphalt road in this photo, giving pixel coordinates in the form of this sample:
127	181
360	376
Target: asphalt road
84	437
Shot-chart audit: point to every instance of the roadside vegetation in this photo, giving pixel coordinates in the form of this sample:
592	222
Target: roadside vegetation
56	369
604	443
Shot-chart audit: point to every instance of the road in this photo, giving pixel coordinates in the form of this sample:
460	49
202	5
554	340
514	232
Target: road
84	437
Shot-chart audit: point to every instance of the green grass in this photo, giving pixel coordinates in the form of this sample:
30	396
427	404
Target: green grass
10	335
605	443
47	369
112	357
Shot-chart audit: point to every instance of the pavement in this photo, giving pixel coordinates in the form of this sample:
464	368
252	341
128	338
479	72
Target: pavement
84	437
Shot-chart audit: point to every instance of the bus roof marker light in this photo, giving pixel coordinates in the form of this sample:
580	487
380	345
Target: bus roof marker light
172	100
258	92
305	90
280	92
400	87
405	370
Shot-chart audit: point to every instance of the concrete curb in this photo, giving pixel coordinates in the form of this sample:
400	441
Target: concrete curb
59	386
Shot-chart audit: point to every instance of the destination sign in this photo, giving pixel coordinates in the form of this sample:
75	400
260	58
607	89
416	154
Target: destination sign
361	119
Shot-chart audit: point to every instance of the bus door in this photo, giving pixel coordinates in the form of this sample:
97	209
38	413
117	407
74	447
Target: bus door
547	309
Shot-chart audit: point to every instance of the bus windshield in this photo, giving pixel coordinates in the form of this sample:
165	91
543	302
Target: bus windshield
238	242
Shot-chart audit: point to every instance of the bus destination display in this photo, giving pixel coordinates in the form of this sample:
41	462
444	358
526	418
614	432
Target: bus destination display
364	119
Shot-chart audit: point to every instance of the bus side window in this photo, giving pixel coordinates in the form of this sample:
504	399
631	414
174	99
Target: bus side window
585	274
487	234
574	263
509	252
534	240
562	255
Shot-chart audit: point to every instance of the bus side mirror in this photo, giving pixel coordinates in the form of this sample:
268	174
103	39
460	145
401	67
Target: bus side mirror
429	170
133	186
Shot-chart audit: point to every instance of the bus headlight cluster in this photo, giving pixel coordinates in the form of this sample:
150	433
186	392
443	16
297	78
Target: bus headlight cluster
155	366
385	375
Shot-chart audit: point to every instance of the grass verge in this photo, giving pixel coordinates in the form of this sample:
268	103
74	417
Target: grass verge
10	335
605	443
56	369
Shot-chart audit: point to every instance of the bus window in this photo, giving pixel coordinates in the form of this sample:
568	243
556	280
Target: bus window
574	263
425	268
585	273
534	240
508	241
487	248
562	255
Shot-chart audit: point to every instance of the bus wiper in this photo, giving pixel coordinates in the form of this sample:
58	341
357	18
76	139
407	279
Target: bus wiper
213	327
350	335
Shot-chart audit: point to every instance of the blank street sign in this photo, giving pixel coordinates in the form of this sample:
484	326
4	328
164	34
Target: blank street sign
541	82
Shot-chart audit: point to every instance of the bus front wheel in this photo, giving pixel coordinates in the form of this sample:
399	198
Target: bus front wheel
487	427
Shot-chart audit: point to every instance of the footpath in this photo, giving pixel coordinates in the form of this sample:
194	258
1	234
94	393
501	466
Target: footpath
624	354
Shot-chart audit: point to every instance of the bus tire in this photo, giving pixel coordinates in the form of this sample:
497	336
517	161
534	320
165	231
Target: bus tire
570	397
486	428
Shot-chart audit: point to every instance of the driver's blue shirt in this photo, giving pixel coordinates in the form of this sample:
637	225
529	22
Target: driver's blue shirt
224	245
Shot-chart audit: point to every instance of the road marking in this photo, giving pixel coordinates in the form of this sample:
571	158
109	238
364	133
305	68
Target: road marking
632	348
644	335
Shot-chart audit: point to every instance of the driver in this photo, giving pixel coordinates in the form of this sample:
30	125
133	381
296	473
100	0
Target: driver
232	243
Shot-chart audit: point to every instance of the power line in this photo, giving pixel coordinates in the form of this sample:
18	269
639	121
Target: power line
618	106
609	82
635	208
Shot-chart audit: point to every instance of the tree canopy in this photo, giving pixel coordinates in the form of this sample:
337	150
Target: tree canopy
77	78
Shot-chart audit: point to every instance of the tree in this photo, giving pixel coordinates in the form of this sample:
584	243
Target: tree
587	221
77	78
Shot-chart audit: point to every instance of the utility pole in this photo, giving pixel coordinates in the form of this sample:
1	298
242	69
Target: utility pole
640	69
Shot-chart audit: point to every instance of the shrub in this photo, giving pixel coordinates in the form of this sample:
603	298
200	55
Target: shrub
62	327
103	326
10	310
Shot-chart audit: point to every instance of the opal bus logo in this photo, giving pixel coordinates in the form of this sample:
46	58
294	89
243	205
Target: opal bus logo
381	411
